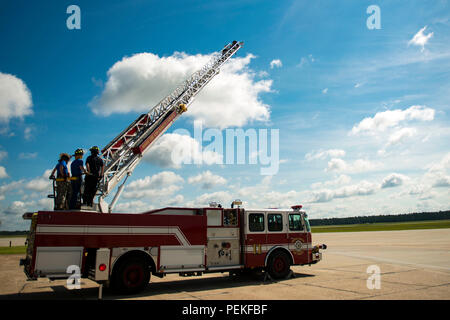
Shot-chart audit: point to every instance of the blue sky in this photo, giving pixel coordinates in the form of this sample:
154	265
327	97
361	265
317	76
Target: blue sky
363	115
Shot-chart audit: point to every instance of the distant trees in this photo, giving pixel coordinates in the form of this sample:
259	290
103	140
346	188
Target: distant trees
418	216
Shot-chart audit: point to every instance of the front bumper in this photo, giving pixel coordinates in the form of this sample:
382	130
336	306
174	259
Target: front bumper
316	255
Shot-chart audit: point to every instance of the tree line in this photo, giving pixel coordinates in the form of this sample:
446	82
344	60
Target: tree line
417	216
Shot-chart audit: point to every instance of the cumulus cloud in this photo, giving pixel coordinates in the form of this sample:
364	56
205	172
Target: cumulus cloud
133	206
339	181
442	182
3	173
3	155
156	181
400	136
391	118
357	166
393	180
28	155
137	83
420	38
207	180
441	166
363	188
40	184
159	185
222	197
172	150
323	154
276	63
15	98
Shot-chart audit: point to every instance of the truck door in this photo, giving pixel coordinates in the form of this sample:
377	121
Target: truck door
298	238
255	238
276	229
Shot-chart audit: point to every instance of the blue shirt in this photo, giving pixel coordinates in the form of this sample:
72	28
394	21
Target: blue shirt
64	169
75	168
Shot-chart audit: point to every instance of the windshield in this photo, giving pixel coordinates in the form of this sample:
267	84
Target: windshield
308	228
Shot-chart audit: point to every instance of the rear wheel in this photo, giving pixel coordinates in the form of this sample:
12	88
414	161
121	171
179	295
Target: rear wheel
279	265
131	276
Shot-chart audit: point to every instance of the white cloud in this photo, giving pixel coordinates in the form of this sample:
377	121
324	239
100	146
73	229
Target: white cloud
391	118
358	166
3	173
325	91
133	207
442	182
401	135
172	150
441	166
27	155
363	188
323	154
276	63
207	180
339	181
393	180
40	184
137	83
158	186
16	207
156	181
222	197
3	155
15	98
154	194
420	38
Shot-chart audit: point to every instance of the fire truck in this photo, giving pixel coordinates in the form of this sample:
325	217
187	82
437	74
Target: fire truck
124	250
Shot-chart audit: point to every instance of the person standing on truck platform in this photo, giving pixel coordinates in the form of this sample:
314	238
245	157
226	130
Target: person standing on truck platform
95	168
77	170
63	188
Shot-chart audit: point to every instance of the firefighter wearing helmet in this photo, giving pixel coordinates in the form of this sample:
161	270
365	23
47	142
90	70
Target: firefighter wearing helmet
77	170
63	188
94	172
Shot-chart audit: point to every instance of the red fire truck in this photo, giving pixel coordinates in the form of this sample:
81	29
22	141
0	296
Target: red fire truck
125	249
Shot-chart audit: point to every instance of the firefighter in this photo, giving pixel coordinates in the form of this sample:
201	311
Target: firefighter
77	170
63	188
95	169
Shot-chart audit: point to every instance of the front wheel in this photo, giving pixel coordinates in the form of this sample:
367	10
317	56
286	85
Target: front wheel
279	265
131	276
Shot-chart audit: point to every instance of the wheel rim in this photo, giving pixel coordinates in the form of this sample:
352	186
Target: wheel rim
279	264
133	276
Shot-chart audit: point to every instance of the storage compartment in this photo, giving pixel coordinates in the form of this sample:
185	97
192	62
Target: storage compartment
182	257
55	260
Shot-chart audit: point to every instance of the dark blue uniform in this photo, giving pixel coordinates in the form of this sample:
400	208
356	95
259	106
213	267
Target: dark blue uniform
77	175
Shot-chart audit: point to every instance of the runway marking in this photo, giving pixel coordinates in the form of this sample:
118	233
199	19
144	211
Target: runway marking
389	260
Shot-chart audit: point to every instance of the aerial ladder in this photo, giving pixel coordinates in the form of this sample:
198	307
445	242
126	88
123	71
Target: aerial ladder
124	152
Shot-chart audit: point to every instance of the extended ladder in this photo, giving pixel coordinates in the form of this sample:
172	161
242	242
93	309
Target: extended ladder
125	151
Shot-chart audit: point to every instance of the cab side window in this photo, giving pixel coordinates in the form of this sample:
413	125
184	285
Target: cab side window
275	222
295	222
256	222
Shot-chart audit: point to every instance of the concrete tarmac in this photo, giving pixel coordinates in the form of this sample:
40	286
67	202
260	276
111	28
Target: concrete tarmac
413	265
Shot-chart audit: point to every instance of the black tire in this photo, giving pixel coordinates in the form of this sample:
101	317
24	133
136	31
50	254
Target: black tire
131	276
279	265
